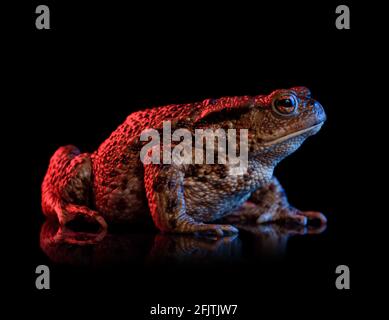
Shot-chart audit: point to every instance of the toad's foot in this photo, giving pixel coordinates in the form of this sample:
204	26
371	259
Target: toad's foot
186	225
291	214
252	214
214	230
269	204
66	235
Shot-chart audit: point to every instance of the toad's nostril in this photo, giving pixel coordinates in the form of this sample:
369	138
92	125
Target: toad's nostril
313	104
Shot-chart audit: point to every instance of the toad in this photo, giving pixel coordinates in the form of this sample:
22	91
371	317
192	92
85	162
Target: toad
113	185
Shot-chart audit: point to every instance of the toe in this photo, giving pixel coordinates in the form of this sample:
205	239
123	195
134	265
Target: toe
210	231
215	230
101	222
315	215
300	219
229	230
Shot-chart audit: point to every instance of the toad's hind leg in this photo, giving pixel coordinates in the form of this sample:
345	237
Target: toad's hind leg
66	186
165	194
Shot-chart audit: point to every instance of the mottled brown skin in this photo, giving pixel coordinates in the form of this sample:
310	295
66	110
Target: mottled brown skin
112	185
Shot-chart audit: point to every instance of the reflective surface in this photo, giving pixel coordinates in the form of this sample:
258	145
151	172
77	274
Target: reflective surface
80	248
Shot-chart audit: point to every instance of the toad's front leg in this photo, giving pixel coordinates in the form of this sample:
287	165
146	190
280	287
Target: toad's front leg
270	203
165	194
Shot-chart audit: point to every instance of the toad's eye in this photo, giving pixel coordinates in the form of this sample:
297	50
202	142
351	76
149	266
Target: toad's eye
285	105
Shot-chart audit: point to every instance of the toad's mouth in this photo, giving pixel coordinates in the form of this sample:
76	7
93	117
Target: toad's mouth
309	131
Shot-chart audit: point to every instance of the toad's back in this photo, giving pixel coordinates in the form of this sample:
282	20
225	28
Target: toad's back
118	184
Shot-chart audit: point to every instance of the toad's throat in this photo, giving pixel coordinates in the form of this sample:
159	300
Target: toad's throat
311	130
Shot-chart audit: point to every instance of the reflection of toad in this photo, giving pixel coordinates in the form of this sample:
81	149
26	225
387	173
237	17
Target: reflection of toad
112	184
66	246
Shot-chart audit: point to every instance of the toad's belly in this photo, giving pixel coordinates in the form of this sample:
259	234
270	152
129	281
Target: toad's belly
209	205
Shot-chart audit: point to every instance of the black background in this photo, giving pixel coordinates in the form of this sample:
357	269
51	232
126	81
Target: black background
100	62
